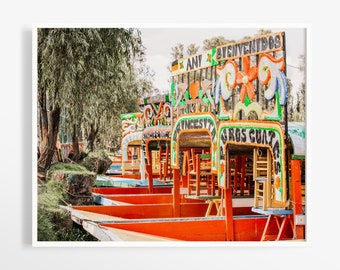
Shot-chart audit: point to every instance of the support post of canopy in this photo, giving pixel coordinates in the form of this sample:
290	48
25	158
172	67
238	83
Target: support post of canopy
297	197
176	193
228	195
148	168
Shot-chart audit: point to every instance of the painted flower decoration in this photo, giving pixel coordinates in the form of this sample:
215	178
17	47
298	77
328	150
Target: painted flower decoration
245	78
271	73
226	80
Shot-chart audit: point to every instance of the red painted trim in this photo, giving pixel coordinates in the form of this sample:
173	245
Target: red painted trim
131	190
141	198
228	204
246	229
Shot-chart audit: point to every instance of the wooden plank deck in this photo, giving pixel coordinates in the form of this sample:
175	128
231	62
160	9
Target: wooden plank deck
91	221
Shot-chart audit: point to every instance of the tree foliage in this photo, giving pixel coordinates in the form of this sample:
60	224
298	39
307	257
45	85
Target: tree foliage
192	49
297	100
263	32
177	51
215	42
89	76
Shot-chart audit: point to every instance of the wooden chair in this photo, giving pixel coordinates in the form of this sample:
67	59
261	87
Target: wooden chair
262	177
165	168
199	174
238	173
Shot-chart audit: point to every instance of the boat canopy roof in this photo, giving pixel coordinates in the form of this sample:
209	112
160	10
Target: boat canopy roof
297	134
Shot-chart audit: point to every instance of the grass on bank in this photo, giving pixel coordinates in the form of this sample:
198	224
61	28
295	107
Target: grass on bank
55	224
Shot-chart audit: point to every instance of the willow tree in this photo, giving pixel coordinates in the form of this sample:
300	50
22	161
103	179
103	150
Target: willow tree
215	42
80	72
192	49
177	51
55	76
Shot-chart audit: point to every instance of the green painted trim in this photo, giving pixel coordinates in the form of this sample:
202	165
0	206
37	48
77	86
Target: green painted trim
191	117
278	116
298	157
125	116
205	155
227	117
213	57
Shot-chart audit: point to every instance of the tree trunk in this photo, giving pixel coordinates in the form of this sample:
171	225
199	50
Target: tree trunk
75	144
50	127
79	189
92	136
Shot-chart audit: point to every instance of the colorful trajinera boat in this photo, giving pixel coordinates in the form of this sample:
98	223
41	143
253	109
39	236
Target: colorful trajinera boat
217	159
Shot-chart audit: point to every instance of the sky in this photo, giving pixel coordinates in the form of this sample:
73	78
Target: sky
159	41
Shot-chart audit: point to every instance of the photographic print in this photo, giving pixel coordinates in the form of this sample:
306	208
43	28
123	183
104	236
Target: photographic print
169	135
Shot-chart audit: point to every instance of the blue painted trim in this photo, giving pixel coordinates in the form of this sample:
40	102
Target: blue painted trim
272	211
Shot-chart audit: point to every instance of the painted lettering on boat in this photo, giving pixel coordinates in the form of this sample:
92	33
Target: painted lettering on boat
253	46
256	136
196	123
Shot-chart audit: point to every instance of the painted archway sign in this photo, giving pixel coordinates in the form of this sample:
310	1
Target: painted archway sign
151	134
132	137
197	123
255	134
